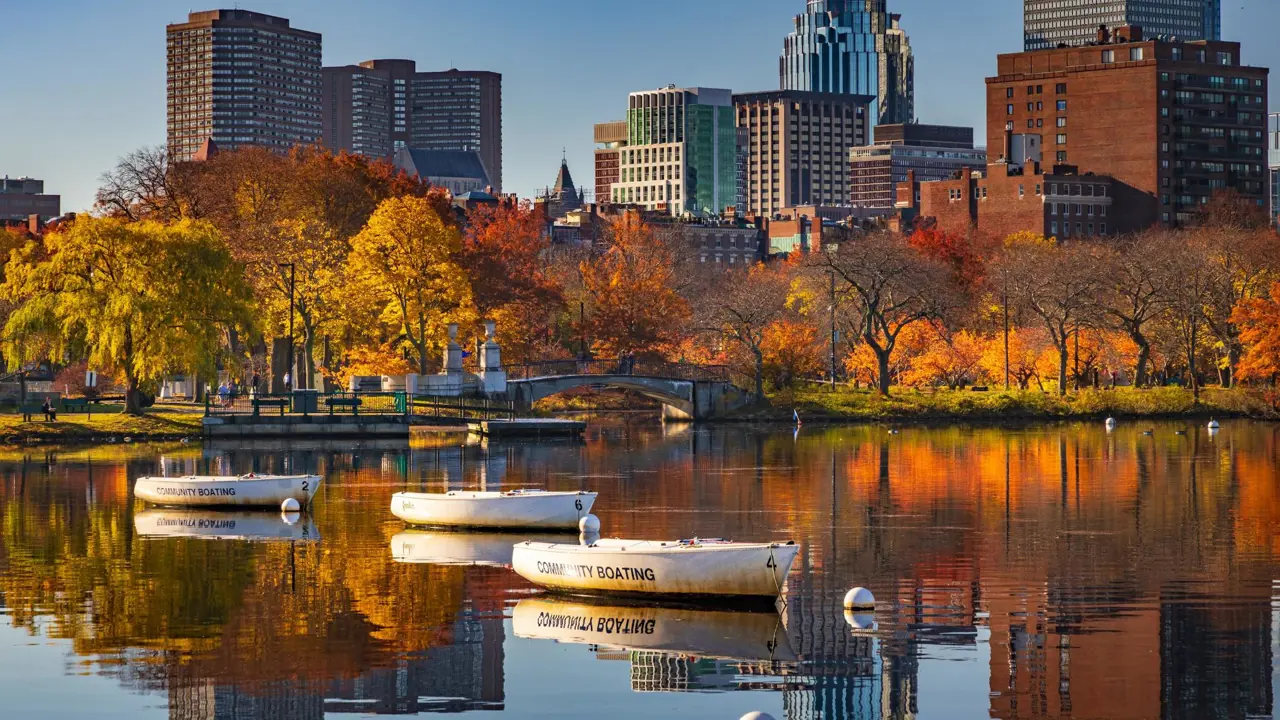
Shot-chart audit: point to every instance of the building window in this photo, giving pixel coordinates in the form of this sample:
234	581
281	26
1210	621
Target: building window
1061	88
1062	106
1062	138
1008	92
1031	89
1039	105
1108	56
1062	122
1079	228
1031	123
1135	53
1031	107
1177	55
1062	156
1224	58
1037	189
1039	122
1090	228
1008	109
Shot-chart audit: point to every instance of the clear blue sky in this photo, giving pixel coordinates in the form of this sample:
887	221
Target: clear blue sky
84	80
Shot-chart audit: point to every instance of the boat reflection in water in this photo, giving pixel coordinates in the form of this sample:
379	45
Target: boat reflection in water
215	525
445	547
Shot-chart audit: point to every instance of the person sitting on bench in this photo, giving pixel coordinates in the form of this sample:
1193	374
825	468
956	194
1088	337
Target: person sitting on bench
50	412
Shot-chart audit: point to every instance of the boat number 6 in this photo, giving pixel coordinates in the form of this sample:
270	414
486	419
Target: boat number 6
578	503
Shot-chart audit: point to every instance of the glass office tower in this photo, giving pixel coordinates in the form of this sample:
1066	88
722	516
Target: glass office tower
1050	23
852	47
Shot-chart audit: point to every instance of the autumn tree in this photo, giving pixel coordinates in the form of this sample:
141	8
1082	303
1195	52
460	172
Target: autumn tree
742	309
145	299
1259	323
1057	283
1031	357
1136	277
883	286
956	250
504	252
147	184
629	289
950	358
1242	260
790	350
1188	299
405	257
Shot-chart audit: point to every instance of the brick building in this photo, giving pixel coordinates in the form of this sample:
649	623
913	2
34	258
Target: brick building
1173	122
934	152
1010	198
610	138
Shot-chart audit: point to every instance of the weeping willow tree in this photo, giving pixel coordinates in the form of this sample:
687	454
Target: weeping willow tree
139	299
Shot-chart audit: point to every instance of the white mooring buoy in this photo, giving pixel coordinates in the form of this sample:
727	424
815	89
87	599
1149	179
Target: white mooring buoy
861	620
1213	424
589	525
757	715
291	518
1111	423
859	598
290	505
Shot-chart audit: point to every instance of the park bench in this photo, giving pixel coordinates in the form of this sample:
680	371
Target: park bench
79	405
352	403
29	410
259	403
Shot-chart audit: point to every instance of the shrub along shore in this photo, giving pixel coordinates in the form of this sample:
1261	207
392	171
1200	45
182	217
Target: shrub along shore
905	404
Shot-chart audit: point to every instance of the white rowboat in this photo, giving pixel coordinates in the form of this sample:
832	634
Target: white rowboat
686	631
650	568
537	509
227	490
446	547
221	525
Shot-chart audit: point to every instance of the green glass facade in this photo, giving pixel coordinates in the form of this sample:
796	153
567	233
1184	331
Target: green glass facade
693	130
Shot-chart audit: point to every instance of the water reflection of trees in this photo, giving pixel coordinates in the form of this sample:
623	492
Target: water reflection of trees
1098	563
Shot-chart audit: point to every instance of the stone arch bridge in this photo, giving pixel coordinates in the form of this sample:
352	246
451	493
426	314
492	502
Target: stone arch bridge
687	392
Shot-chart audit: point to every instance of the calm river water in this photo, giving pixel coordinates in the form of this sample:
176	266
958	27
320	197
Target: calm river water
1039	572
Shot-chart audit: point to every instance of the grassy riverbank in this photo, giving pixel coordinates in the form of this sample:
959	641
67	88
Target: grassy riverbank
906	404
100	427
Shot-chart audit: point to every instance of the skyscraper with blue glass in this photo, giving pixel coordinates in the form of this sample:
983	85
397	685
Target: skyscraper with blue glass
1050	23
854	47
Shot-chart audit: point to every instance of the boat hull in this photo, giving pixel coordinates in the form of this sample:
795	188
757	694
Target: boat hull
681	630
536	510
446	547
224	525
216	491
671	570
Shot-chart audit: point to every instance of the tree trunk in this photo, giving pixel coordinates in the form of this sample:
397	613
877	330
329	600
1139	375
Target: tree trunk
1191	367
421	347
759	373
1144	358
132	395
309	356
1062	369
882	363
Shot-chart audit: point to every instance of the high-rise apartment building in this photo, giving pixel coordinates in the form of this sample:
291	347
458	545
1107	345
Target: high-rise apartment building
610	138
357	111
1172	122
796	147
1273	162
853	47
1050	23
453	110
242	78
929	152
681	154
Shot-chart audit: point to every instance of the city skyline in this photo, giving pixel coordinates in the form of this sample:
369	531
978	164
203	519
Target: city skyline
101	94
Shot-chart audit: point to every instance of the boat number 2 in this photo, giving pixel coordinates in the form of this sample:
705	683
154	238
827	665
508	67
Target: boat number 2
306	485
578	503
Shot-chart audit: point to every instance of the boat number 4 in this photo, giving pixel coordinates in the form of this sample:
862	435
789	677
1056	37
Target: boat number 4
770	563
578	503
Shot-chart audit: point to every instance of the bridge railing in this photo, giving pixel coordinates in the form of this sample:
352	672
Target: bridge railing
620	366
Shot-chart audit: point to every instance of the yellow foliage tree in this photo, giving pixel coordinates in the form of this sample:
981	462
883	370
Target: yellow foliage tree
790	350
405	258
1031	357
950	358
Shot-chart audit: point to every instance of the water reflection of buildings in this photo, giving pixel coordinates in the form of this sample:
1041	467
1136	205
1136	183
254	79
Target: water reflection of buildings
464	675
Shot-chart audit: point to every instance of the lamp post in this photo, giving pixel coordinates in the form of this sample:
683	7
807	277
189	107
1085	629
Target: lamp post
291	371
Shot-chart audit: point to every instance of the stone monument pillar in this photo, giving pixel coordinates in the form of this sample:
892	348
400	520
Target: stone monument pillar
453	353
493	377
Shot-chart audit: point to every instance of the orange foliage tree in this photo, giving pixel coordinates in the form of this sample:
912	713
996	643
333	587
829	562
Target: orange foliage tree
949	358
1031	357
791	350
629	289
1259	322
955	250
504	253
